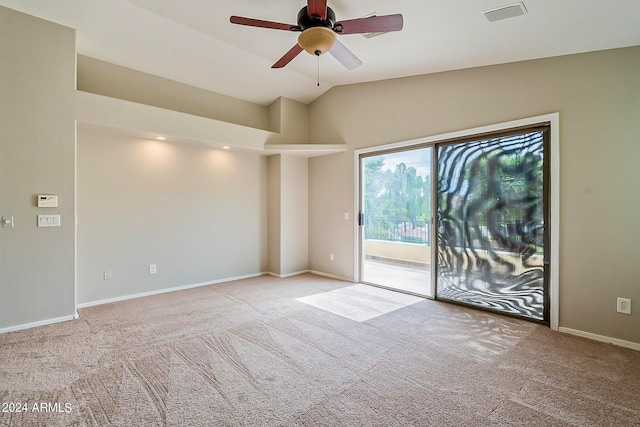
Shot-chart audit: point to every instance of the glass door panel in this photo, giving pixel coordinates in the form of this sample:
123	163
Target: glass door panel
491	214
396	220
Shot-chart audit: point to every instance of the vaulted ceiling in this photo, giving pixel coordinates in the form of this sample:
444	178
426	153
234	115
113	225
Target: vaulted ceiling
193	42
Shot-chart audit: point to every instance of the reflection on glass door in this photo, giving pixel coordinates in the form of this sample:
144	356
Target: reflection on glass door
396	220
491	213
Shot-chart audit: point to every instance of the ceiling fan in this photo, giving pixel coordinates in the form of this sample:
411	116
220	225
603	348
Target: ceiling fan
319	29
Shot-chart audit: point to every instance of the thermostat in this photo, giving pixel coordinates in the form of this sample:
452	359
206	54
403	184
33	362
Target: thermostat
47	201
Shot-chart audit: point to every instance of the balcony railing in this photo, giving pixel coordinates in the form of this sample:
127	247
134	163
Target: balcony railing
510	236
401	230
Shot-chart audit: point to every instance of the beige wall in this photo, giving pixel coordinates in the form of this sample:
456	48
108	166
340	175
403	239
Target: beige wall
274	208
37	155
115	81
598	98
415	253
288	214
195	212
291	120
294	214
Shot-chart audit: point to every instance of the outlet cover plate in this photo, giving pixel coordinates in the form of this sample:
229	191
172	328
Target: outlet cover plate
624	305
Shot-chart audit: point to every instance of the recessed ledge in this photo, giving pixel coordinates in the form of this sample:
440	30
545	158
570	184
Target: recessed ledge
126	117
305	150
104	111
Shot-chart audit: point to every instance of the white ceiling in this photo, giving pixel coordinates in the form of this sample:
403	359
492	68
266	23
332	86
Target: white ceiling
192	41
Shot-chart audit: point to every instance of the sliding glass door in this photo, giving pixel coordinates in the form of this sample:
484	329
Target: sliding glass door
492	223
465	221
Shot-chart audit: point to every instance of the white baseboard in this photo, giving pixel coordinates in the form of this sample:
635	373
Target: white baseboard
331	276
282	276
165	290
39	323
601	338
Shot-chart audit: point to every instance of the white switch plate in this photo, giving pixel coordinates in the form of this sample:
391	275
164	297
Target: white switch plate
106	275
152	269
346	215
48	220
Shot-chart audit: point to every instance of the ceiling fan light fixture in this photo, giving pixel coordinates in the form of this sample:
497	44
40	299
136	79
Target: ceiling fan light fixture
317	40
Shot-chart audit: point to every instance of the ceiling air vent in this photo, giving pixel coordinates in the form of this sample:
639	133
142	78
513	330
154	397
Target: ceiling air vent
505	12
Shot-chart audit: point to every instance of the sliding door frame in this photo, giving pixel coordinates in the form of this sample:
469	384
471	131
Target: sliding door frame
553	119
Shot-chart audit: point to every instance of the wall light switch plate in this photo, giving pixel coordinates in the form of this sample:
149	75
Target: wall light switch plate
48	220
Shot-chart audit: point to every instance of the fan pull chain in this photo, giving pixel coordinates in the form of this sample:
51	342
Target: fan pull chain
318	70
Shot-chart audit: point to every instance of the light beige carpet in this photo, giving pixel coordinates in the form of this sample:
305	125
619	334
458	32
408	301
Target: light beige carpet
265	351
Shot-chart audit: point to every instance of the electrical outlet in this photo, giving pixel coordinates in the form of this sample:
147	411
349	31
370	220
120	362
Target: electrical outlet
624	305
106	275
152	269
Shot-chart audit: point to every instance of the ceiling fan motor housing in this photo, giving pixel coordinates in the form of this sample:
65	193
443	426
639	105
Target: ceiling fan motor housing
305	21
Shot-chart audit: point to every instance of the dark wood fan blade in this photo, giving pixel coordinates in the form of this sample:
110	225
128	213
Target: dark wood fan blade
373	24
262	24
288	57
344	55
317	8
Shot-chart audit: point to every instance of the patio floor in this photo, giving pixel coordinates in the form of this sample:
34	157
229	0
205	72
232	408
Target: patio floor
403	277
